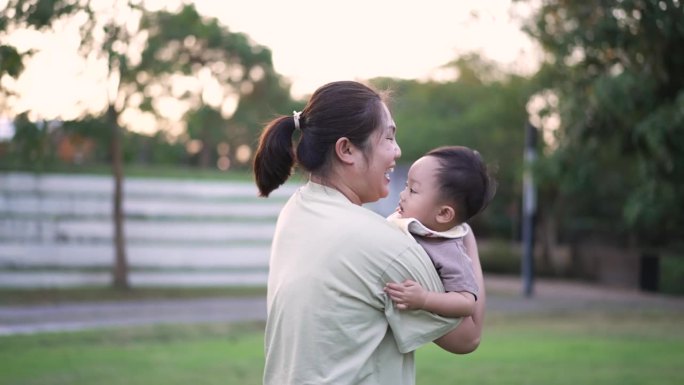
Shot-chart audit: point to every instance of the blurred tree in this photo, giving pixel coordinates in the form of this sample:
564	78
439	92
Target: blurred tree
616	163
23	16
107	30
32	15
30	141
209	127
162	150
167	64
224	81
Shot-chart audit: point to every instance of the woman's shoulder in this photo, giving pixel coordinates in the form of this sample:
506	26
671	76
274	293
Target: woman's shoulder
372	224
360	222
380	232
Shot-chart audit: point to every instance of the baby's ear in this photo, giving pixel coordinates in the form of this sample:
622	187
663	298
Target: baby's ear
446	214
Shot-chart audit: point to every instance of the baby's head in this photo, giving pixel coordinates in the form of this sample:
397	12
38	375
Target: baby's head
446	187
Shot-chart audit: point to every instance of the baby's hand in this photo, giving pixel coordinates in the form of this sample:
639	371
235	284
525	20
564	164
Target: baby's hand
408	295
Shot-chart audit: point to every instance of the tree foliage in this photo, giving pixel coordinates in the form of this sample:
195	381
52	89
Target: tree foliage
233	87
618	70
37	15
31	141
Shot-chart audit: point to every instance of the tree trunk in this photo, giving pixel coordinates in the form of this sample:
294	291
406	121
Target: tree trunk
204	157
120	271
205	152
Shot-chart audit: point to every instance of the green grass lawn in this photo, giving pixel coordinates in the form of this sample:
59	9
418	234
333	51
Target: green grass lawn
565	350
559	349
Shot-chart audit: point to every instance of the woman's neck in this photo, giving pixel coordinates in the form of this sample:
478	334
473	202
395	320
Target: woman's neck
338	184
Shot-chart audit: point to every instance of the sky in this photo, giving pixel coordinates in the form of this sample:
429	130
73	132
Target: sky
314	42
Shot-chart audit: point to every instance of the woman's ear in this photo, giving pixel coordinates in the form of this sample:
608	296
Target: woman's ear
345	150
446	214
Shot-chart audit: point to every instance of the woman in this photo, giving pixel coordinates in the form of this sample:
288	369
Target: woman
329	321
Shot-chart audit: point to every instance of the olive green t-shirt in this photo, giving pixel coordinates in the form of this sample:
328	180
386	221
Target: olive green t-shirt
329	321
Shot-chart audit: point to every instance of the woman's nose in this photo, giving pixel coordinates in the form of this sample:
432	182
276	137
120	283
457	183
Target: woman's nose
397	151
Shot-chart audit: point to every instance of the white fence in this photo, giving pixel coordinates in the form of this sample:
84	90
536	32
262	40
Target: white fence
56	230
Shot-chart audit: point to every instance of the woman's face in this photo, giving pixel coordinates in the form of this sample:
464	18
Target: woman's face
380	160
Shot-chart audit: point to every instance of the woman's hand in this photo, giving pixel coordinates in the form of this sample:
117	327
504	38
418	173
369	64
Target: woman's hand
408	295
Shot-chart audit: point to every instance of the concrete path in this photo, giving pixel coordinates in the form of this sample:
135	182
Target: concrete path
504	296
93	315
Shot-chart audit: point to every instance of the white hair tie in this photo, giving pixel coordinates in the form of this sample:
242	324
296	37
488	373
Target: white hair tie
295	116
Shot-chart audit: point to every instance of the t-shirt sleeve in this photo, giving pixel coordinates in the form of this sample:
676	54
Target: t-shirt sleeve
413	328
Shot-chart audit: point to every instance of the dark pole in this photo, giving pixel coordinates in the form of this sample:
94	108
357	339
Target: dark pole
529	209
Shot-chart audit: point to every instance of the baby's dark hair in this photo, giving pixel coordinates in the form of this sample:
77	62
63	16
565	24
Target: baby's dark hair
464	180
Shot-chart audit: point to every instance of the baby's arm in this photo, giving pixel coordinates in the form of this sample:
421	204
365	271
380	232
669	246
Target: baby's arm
409	295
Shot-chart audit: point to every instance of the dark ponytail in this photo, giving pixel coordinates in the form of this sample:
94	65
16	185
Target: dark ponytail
274	157
338	109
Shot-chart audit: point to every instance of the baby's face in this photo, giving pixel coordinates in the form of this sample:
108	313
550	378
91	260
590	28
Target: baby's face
420	198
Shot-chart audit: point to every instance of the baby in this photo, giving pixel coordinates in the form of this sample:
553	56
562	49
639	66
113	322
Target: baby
445	188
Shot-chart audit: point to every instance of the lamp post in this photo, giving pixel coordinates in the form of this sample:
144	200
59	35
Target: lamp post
529	208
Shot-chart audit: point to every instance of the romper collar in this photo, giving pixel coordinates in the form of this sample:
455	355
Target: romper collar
413	226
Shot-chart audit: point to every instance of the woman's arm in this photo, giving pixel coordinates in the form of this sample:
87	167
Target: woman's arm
465	338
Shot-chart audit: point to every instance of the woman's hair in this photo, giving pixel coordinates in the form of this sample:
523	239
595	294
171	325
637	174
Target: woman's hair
339	109
464	180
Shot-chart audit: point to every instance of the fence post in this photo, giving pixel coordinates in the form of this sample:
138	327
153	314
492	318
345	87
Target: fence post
649	271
